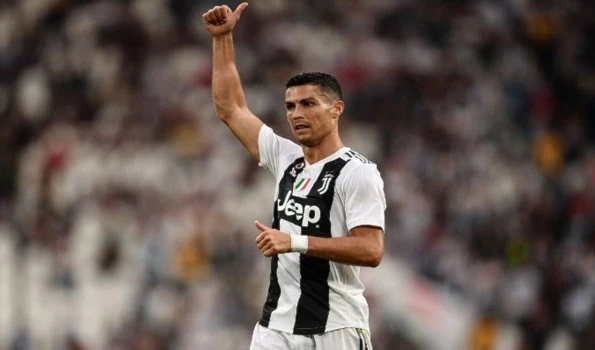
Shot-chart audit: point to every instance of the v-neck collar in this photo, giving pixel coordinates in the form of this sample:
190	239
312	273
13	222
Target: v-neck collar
338	153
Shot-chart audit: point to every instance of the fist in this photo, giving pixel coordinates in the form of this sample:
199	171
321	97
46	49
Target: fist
272	242
221	20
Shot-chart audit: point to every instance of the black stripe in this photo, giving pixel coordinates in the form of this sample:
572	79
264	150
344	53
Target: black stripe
313	306
274	293
361	342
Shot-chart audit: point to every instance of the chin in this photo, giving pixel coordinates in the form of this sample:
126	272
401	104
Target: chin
308	142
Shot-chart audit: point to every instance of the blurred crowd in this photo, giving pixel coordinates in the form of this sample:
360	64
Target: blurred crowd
127	207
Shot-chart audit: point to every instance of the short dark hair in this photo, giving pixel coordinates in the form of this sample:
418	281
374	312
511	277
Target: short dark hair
326	82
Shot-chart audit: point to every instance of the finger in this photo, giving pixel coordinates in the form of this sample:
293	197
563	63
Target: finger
212	14
260	226
210	17
265	252
267	246
260	237
240	9
209	21
263	243
205	17
268	253
221	14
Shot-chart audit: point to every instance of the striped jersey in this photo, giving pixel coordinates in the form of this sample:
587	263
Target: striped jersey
309	295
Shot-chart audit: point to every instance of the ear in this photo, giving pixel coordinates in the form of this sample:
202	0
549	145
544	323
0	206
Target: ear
337	109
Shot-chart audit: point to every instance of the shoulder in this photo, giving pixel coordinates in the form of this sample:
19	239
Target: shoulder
268	137
276	152
359	170
356	158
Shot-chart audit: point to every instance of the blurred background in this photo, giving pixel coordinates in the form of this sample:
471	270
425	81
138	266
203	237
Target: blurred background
126	206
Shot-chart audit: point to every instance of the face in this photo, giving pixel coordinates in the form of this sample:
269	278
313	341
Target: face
312	114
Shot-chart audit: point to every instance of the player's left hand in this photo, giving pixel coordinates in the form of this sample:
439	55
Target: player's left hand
270	241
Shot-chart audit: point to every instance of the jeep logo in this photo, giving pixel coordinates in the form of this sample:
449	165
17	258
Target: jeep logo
308	214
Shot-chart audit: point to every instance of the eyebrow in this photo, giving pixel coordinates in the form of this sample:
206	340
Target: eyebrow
308	99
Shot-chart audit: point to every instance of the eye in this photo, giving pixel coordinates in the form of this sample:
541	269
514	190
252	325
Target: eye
289	106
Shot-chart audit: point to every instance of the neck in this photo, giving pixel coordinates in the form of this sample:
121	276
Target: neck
325	148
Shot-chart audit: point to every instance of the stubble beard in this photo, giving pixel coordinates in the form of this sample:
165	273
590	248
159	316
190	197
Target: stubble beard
309	142
313	140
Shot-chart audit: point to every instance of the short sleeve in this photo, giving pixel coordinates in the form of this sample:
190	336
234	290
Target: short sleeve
364	198
272	148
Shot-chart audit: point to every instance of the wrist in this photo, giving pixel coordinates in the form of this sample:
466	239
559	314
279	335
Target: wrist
299	244
221	36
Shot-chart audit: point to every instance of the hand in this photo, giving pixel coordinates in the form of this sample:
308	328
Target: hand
221	20
272	242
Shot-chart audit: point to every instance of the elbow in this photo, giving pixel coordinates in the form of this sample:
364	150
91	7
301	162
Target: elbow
375	258
377	253
226	111
373	251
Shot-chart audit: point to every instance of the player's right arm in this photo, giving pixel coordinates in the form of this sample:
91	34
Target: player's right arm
230	102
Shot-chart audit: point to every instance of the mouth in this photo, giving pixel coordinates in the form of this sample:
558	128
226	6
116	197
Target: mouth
300	127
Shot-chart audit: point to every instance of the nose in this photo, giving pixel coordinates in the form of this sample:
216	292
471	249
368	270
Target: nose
297	113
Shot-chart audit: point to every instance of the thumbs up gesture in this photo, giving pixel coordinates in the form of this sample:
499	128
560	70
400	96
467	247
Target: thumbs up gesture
221	20
270	241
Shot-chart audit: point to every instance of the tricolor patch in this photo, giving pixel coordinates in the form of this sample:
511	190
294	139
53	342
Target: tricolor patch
302	184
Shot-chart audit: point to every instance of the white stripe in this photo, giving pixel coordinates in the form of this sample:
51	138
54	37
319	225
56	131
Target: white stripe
347	305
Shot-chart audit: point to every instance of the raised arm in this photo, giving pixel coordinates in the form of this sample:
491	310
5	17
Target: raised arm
228	95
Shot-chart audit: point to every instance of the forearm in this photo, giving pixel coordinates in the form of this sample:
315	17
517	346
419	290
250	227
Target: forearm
364	246
226	84
353	250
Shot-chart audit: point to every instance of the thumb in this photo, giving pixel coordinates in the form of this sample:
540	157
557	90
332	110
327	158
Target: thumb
260	226
240	9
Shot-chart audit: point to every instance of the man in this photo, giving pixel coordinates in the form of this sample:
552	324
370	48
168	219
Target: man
329	208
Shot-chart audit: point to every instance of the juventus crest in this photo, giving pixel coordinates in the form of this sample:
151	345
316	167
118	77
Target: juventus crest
326	181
